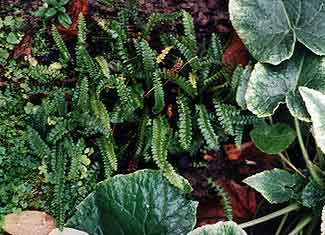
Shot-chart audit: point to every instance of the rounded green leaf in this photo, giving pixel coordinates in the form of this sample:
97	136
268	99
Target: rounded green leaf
140	203
65	20
273	139
12	38
270	85
276	185
50	12
315	103
220	228
271	28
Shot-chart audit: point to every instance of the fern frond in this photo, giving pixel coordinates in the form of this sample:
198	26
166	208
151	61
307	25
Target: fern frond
37	144
158	92
222	73
148	56
155	19
101	113
159	146
124	93
163	54
59	187
236	78
226	115
82	30
206	127
106	148
60	45
191	57
189	39
86	65
227	205
184	84
74	152
83	95
184	122
193	78
58	132
215	51
141	135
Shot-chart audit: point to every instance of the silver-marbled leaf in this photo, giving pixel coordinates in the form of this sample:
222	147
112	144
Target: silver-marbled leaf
220	228
315	103
141	203
270	85
275	185
270	29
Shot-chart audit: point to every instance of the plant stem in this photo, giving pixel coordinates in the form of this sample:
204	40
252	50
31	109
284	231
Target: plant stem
305	155
290	164
301	225
292	207
278	231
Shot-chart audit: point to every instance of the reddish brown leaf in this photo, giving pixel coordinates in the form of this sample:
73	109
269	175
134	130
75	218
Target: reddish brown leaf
74	9
243	201
24	48
233	153
236	53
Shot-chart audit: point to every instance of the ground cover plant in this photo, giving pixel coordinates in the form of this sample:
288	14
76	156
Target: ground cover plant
116	121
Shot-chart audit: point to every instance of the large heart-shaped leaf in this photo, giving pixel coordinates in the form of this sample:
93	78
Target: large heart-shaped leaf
271	28
270	85
276	185
315	103
142	203
273	139
220	228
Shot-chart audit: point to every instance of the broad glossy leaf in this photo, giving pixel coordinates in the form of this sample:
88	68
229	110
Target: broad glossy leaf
270	85
270	29
220	228
140	203
273	139
315	103
275	185
313	197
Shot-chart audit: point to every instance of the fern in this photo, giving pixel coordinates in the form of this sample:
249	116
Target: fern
189	39
163	54
148	56
141	135
159	147
206	128
82	30
122	52
222	73
83	95
185	85
124	93
227	205
37	144
215	51
156	18
101	113
106	148
233	121
158	93
184	122
74	152
59	187
65	55
58	132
